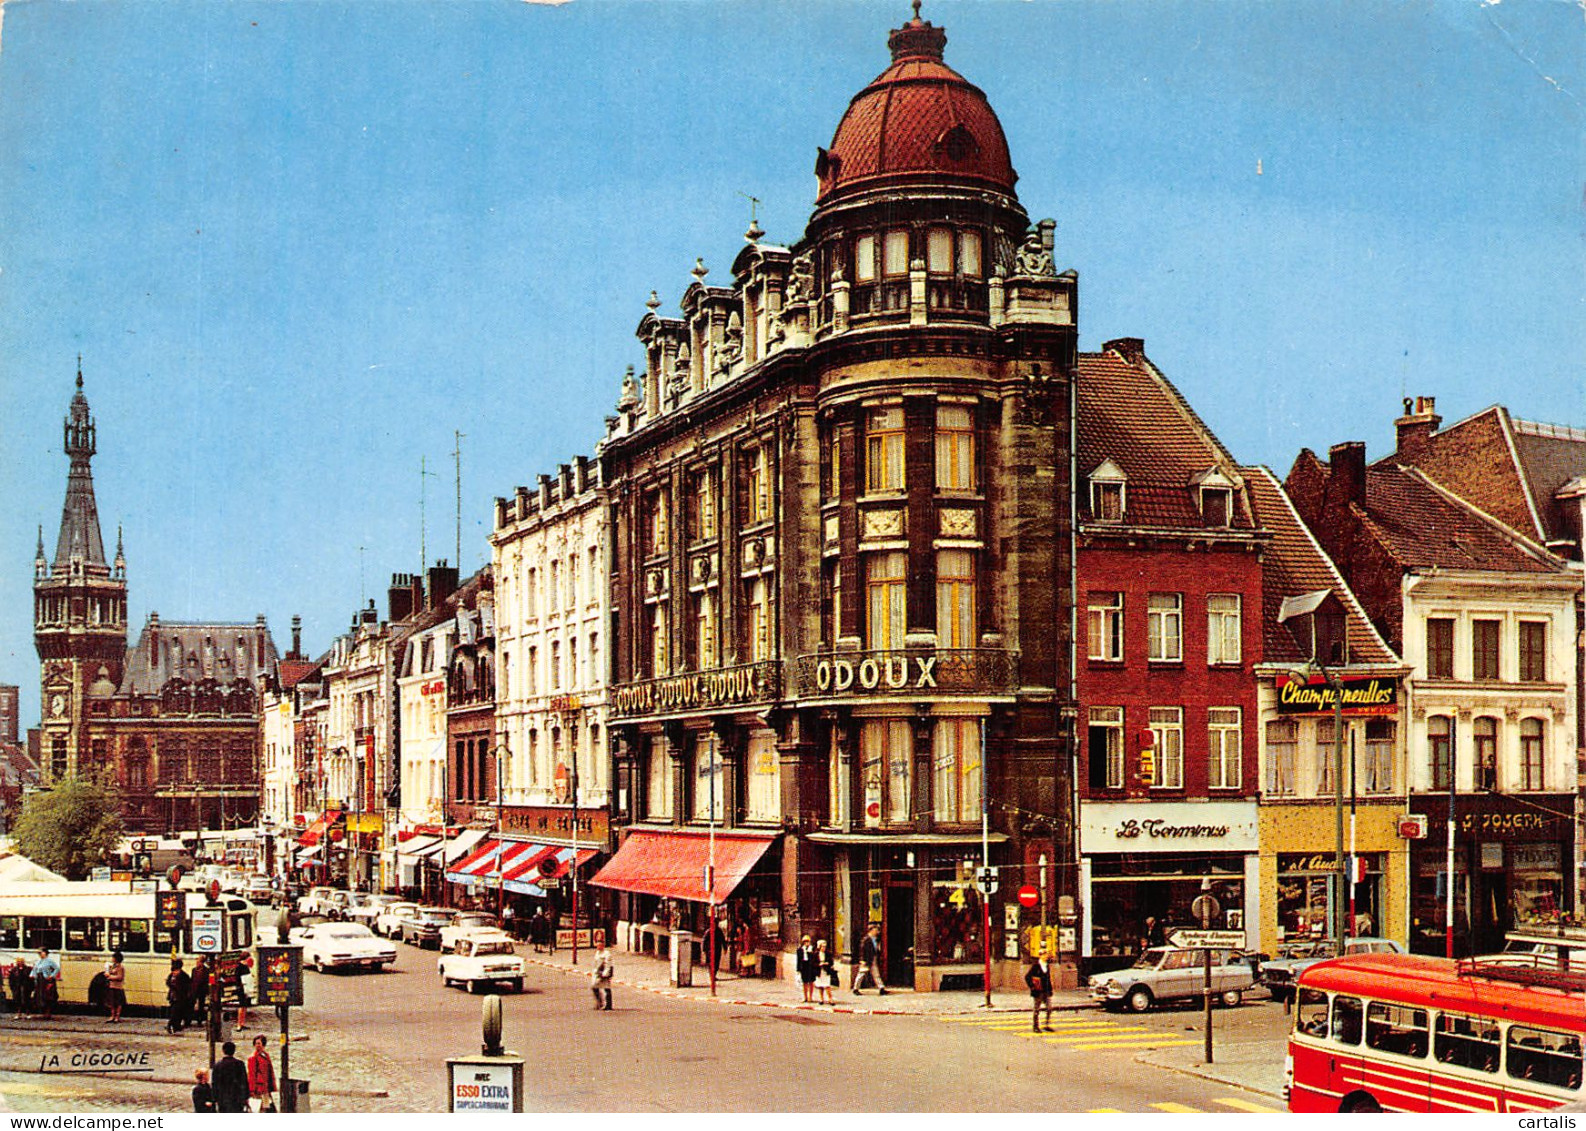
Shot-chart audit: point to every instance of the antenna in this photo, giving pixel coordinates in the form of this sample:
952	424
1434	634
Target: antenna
424	473
457	458
362	595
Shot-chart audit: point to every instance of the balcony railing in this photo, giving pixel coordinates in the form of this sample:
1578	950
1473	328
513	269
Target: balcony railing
982	671
706	690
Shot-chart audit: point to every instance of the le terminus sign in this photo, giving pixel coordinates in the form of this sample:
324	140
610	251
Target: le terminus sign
1363	696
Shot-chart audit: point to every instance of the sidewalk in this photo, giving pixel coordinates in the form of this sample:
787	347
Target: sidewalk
1249	1065
653	975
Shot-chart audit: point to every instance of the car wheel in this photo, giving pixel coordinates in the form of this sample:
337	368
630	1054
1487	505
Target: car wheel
1232	998
473	986
1139	999
517	985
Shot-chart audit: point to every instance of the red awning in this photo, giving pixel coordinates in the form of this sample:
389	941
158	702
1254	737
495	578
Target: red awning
673	864
546	862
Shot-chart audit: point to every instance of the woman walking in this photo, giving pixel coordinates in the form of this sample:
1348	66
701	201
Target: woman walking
804	963
261	1077
825	973
115	986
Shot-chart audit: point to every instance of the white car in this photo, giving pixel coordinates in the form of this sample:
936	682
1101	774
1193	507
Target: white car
466	923
313	903
482	958
388	921
342	946
369	908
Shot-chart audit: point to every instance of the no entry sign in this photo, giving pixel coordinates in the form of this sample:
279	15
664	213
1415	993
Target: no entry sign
1029	896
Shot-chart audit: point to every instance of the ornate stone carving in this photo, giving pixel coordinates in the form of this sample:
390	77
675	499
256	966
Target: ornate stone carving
1033	258
801	281
699	568
629	400
883	524
957	522
654	582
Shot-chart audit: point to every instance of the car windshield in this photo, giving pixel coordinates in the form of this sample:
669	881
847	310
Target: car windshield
349	931
1151	959
493	947
474	917
435	915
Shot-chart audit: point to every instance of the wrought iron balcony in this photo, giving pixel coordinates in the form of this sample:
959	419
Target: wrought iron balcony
692	691
927	672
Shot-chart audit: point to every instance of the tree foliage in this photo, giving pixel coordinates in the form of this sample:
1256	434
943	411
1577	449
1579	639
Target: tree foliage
69	828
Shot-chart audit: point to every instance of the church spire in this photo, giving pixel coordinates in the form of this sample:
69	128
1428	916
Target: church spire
80	541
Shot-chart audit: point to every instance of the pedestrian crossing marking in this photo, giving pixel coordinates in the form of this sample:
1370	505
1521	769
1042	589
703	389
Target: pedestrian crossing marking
1141	1044
1246	1105
1177	1108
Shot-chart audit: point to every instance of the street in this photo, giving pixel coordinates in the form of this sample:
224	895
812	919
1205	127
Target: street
378	1042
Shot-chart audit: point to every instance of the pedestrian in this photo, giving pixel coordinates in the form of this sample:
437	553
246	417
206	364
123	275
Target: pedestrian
804	963
1363	924
537	930
203	1094
869	960
261	1077
509	921
825	973
21	985
179	995
600	979
747	962
46	979
239	984
230	1078
199	993
1039	978
115	986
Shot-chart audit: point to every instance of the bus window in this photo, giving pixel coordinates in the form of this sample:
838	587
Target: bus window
1310	1013
10	932
1545	1056
241	932
1469	1042
165	942
85	933
40	930
1396	1029
130	936
1346	1020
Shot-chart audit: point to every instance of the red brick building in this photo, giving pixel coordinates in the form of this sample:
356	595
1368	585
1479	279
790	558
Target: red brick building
1168	576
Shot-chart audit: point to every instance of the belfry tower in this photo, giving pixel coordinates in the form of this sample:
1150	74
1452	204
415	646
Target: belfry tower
79	608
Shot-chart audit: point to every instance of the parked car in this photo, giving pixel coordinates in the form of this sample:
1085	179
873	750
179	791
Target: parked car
464	923
259	889
335	905
342	946
422	926
315	901
368	908
482	958
1168	973
1541	948
1280	974
388	920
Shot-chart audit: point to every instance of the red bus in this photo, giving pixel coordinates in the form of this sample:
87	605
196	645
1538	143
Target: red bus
1403	1032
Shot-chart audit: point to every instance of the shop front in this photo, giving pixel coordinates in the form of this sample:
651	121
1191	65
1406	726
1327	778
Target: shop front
1300	872
1142	865
540	882
1513	867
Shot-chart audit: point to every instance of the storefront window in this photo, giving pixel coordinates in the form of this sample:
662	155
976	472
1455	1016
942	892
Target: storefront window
888	750
1536	890
838	779
1137	901
1305	885
1428	892
956	921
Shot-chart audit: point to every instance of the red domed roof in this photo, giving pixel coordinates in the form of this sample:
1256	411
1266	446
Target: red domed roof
919	119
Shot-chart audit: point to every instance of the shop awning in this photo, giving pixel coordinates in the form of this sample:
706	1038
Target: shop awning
673	864
462	844
420	847
478	863
309	852
316	830
543	864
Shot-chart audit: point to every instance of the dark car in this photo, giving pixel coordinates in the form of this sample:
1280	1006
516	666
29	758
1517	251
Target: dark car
422	926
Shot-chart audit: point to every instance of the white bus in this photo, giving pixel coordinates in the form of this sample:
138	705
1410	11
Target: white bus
81	923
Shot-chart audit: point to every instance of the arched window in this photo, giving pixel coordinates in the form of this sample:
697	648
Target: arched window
1439	741
1533	771
1484	737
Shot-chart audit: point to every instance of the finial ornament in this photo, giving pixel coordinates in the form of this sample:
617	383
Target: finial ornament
700	271
79	371
653	302
916	7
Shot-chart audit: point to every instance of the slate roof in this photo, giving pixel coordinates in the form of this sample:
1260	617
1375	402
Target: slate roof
1295	563
225	653
1550	456
1422	526
1133	415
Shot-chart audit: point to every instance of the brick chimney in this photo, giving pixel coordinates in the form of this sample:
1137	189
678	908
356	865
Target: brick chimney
297	638
1347	472
399	597
1416	427
442	583
1131	350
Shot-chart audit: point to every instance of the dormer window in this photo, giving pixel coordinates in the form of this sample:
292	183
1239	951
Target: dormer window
1318	624
1214	497
1107	492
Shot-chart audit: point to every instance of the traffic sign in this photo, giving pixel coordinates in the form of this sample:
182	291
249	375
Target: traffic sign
986	879
1029	895
1214	940
208	930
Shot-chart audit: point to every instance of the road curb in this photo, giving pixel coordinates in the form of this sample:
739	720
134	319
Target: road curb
1199	1074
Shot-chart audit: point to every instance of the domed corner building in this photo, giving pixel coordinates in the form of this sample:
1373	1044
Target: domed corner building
842	565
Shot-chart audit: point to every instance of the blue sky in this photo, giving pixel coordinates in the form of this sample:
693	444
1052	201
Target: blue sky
300	244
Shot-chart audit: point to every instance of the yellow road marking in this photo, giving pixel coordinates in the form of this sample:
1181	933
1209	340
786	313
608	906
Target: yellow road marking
1083	1034
1246	1105
1177	1108
1141	1044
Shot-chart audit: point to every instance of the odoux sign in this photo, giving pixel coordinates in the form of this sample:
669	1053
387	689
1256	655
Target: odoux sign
890	673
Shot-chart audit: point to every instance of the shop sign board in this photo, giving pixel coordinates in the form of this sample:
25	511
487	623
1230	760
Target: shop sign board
1207	940
477	1086
1363	696
280	975
170	908
1499	817
208	930
556	823
1168	826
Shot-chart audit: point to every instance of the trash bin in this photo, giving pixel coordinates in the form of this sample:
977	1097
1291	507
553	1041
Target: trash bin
294	1095
682	958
